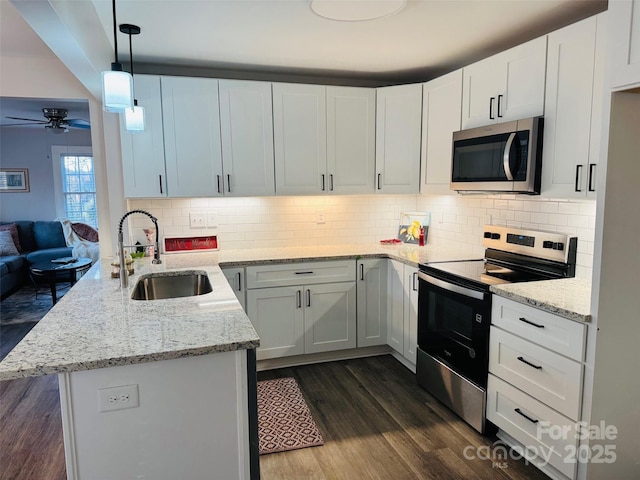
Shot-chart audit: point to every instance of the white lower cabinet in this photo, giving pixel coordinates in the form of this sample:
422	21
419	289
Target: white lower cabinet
534	392
372	301
402	311
235	277
312	316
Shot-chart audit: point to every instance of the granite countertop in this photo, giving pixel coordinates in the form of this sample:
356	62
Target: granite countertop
568	297
97	325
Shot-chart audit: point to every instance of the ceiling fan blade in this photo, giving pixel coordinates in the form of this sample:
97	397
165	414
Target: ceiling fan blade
22	124
78	123
28	119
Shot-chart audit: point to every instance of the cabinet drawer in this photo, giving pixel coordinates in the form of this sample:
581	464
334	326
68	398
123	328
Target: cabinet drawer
543	374
283	274
555	333
546	434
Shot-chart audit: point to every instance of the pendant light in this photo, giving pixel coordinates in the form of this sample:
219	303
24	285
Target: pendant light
133	117
117	86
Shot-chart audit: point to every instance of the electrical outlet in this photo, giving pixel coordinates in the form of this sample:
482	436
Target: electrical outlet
211	220
196	220
320	217
118	398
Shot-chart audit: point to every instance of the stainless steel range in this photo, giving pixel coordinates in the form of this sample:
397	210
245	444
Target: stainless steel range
454	311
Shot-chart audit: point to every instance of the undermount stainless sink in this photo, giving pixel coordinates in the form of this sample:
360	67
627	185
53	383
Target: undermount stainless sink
157	286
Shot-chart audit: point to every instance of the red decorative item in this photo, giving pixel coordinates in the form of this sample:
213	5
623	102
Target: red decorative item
190	244
421	237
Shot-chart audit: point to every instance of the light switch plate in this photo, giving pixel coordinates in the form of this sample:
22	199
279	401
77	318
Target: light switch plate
211	220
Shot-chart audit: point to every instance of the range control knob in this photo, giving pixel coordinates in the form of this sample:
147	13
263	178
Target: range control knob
495	236
558	246
547	244
487	234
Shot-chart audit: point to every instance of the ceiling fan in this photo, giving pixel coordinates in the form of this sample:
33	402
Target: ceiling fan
56	121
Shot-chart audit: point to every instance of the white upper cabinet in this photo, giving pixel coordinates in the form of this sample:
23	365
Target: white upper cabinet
191	116
625	43
300	132
143	165
506	86
573	108
441	111
398	131
247	138
351	130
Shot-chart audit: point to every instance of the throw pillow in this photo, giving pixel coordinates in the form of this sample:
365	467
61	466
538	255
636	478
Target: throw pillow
13	228
85	231
7	247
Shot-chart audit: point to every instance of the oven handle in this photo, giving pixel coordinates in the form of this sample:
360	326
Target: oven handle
467	292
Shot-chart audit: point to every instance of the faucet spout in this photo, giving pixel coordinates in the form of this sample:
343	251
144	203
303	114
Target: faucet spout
124	274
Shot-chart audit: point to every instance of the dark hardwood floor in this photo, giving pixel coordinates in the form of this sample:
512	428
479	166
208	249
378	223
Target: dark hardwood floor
376	421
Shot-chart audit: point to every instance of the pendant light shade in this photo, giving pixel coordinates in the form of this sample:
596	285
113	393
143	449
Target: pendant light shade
117	86
134	118
117	90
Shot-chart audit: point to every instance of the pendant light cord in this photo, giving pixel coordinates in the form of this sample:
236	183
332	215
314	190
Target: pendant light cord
131	65
115	34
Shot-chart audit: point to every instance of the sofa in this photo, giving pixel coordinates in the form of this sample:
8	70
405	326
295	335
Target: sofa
38	241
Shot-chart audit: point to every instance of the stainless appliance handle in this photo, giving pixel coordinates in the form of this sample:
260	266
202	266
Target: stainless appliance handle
467	292
505	157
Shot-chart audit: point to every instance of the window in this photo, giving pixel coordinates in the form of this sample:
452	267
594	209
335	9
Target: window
79	189
75	184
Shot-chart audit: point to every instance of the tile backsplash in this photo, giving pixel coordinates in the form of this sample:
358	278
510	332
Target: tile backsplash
456	220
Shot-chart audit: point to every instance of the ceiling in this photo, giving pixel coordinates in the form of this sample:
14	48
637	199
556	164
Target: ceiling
424	39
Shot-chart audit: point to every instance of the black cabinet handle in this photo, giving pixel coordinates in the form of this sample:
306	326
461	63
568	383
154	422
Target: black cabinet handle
379	175
218	179
239	281
415	275
491	100
522	319
591	187
228	183
362	271
331	182
578	172
298	299
160	179
523	360
305	273
517	410
499	105
308	297
322	175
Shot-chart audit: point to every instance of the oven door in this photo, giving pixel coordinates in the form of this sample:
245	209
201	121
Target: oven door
453	325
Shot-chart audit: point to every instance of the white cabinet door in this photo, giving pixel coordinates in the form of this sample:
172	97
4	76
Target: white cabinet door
410	313
506	86
395	306
441	110
625	43
235	277
329	317
372	302
351	130
574	88
277	314
191	118
398	131
300	132
247	138
143	168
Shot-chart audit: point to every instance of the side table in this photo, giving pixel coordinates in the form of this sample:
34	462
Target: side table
52	271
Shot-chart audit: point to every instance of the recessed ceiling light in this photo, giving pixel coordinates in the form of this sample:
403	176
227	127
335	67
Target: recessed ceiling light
356	10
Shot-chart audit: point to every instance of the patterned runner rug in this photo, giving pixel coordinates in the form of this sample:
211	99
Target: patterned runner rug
284	420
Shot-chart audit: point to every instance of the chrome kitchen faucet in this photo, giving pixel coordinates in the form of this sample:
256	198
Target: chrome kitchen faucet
124	274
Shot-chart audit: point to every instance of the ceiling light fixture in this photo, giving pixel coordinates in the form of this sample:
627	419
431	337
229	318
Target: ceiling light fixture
117	86
356	10
133	117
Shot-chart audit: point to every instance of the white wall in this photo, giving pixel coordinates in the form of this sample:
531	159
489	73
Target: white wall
291	221
22	147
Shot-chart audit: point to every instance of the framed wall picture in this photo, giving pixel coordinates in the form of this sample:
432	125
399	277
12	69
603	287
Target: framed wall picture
14	180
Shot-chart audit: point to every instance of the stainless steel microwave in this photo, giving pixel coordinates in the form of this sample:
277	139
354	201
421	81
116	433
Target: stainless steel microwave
504	157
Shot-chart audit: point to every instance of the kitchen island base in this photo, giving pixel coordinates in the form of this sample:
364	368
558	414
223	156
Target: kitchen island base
191	419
